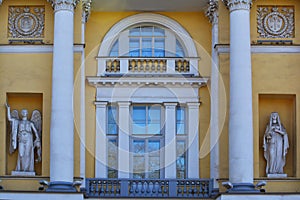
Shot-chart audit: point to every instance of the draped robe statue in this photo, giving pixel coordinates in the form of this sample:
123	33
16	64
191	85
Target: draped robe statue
275	145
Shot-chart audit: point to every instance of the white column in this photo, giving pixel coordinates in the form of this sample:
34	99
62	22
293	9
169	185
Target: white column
62	126
101	144
240	115
212	14
124	139
170	140
193	139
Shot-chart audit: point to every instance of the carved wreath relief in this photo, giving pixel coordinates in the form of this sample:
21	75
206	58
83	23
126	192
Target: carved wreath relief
26	21
275	22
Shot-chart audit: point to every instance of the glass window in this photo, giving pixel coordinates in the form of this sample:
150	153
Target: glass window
146	159
112	127
179	49
146	120
114	52
180	120
181	160
112	159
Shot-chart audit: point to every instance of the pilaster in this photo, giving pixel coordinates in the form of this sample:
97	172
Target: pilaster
170	140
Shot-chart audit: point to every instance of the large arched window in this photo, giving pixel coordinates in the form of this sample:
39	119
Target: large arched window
148	40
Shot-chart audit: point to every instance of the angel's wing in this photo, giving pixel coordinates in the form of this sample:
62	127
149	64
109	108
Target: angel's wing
36	118
13	130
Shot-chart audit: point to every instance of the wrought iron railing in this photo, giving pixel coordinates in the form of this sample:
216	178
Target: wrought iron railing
156	188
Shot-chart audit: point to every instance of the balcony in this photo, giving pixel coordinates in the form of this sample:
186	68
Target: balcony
108	66
155	188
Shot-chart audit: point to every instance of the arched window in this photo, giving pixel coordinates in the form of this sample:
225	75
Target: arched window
147	40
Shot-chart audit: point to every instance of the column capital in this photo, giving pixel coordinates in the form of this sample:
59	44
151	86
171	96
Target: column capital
212	11
100	104
64	4
170	104
123	104
86	8
238	4
193	105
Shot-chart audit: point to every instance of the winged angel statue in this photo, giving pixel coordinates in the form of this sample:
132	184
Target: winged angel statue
26	136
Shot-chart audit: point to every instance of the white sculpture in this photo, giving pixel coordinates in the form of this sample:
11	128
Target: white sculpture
22	136
275	145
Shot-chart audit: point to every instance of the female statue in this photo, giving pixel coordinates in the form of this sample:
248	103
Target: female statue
275	145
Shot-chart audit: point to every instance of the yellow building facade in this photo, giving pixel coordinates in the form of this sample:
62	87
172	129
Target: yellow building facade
137	80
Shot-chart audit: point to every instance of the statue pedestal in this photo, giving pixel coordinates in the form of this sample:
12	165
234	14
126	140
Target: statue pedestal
276	175
20	173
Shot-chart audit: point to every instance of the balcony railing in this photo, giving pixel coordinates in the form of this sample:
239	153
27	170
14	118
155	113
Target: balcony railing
157	188
129	65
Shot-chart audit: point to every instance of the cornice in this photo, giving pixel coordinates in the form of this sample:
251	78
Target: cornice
98	81
64	4
238	4
212	11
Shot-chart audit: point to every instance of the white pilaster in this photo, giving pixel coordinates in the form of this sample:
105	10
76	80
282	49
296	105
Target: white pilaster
62	126
170	140
240	115
124	154
101	144
193	139
212	13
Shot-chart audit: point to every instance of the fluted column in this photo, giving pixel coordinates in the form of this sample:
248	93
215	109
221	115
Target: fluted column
62	126
213	15
240	115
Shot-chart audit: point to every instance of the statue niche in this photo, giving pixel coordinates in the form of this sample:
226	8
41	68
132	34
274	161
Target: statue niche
25	135
275	144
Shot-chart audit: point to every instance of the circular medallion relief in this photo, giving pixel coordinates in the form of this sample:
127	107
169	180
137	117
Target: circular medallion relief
275	23
26	23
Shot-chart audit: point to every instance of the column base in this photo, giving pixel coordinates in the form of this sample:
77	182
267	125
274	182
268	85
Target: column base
61	186
243	188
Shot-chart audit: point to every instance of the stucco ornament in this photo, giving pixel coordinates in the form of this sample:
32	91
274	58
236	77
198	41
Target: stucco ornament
275	145
275	22
238	4
25	135
26	22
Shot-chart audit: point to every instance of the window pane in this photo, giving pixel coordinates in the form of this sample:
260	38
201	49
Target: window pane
159	47
134	47
112	159
147	31
181	159
112	127
147	47
154	113
114	52
134	31
179	49
180	120
139	120
154	167
138	147
159	31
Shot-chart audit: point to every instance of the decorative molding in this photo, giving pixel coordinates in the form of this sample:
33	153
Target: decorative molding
212	11
23	49
64	4
169	23
238	4
26	21
256	49
86	7
275	22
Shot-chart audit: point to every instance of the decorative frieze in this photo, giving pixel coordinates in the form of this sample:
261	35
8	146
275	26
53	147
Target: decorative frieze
212	11
26	21
64	4
275	22
238	4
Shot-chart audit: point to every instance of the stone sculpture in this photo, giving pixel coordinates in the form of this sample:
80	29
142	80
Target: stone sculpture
275	146
25	135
